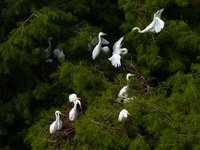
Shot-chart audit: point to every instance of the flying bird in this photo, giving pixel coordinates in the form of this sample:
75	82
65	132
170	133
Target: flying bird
117	51
156	25
123	92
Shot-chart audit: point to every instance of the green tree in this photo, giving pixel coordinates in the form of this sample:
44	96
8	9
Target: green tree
164	97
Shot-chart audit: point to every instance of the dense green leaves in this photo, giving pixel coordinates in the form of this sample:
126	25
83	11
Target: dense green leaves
164	99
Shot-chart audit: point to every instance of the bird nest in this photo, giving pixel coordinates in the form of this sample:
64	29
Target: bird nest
67	133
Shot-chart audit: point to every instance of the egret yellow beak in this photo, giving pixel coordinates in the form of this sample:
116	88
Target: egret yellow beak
104	34
128	113
78	98
131	31
62	114
132	74
121	44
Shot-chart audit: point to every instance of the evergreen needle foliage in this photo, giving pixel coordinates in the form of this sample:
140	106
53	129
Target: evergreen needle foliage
163	96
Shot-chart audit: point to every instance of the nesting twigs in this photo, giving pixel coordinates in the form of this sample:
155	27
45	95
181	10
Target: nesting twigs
67	133
101	124
143	82
174	121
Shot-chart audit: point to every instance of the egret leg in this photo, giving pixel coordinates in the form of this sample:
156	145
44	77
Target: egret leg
54	141
155	37
123	128
53	137
154	41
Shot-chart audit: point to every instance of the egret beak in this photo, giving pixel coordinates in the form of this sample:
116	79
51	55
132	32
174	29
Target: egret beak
78	98
104	34
128	114
131	31
132	74
81	108
61	113
121	44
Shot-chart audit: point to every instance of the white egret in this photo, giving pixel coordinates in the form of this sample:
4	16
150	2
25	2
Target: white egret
156	25
57	124
123	92
73	111
117	51
98	47
73	97
45	52
123	115
128	99
48	49
49	60
59	54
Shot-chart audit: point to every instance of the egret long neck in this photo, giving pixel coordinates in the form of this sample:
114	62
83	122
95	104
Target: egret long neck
49	44
127	80
136	28
57	118
124	51
99	39
75	105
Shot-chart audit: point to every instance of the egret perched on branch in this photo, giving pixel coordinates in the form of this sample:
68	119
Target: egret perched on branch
47	51
123	92
117	51
73	111
98	47
156	25
123	115
73	97
59	54
57	124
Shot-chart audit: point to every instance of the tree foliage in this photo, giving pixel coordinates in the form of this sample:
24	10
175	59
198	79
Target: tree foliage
163	95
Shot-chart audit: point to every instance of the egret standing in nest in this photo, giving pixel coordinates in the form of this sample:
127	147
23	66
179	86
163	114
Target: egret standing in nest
73	112
57	124
73	97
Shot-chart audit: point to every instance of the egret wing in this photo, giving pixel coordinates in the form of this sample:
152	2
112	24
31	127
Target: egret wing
117	44
105	49
96	51
104	41
158	13
159	24
95	40
123	92
115	60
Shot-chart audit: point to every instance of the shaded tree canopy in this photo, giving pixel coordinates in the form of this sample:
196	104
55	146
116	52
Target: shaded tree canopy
163	94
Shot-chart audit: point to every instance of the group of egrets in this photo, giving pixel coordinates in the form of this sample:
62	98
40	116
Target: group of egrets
57	124
156	25
47	52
